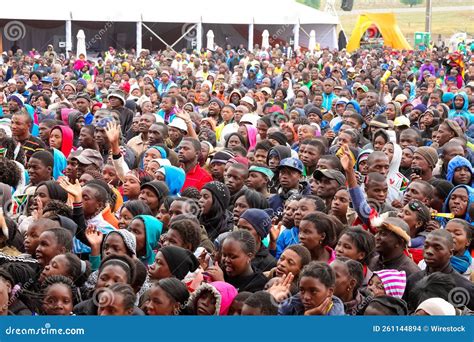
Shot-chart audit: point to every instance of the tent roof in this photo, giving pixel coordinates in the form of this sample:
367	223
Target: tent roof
265	12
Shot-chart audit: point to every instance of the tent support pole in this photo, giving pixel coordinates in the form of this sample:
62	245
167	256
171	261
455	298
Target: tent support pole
68	37
250	46
139	37
182	36
199	35
296	32
157	36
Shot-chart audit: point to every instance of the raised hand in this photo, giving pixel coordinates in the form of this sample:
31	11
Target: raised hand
113	132
281	290
346	158
75	190
95	237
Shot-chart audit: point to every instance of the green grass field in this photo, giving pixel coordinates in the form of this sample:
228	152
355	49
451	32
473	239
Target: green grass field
443	23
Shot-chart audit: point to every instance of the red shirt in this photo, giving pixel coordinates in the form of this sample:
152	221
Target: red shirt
197	177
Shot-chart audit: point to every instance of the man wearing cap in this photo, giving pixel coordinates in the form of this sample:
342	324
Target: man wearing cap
15	103
391	240
214	110
21	87
251	81
117	102
248	102
177	129
289	171
424	162
83	103
327	184
259	179
88	158
189	150
218	164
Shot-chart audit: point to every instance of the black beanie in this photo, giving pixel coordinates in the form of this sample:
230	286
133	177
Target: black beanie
267	119
175	289
180	261
278	136
220	193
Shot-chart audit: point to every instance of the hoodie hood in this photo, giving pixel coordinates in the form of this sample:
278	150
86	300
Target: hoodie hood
174	178
396	159
251	136
355	104
67	140
362	156
455	163
153	228
470	193
223	292
282	152
398	108
463	111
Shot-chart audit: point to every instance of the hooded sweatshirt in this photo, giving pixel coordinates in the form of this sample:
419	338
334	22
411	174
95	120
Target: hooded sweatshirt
395	179
470	193
456	163
174	178
462	111
224	294
67	141
153	228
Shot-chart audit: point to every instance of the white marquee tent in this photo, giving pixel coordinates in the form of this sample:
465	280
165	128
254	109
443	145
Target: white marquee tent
134	20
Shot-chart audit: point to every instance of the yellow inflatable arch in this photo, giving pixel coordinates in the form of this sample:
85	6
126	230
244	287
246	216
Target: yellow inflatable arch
387	25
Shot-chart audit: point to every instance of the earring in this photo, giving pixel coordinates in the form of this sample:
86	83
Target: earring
320	242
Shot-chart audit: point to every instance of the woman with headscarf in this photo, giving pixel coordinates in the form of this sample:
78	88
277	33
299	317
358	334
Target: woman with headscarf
427	121
393	109
174	178
215	217
76	122
249	133
147	230
61	138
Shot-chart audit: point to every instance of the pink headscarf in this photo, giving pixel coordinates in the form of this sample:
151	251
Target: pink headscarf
251	136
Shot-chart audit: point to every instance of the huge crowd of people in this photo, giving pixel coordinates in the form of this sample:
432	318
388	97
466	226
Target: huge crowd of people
235	182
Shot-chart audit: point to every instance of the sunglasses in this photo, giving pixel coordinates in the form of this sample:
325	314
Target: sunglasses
415	206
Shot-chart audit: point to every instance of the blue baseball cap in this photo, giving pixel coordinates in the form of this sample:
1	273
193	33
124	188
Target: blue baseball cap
292	163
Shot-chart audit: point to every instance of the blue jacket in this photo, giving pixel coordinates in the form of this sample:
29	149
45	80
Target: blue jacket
356	106
470	192
327	100
456	163
286	238
462	111
294	307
